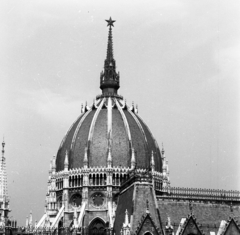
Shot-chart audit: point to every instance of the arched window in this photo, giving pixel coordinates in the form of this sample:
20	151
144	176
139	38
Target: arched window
97	227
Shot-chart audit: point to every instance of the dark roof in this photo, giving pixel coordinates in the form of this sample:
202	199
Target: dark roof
91	131
137	200
208	215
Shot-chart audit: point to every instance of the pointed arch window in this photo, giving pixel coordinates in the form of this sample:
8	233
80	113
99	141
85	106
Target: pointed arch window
97	227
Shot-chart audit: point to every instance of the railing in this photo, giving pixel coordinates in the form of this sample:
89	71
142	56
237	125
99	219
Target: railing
201	194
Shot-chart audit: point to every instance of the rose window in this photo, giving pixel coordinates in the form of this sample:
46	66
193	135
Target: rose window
98	199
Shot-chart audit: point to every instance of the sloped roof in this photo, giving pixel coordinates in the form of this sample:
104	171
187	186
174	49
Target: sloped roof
231	228
109	120
209	215
137	200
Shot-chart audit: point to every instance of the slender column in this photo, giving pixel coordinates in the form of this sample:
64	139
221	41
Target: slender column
66	181
85	177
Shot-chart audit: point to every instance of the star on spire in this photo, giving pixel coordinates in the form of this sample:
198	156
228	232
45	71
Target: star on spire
110	22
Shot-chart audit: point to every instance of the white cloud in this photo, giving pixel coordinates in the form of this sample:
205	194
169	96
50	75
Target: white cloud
228	59
52	106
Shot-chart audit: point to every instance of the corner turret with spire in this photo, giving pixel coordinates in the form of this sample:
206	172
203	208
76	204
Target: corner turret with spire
109	78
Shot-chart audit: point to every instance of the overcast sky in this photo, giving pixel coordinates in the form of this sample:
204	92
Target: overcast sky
179	60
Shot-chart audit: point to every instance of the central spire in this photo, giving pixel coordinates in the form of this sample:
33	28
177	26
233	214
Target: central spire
109	78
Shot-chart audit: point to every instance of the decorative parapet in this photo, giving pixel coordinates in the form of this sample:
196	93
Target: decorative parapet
200	194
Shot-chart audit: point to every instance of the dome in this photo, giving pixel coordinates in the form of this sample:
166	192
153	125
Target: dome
109	124
107	158
109	128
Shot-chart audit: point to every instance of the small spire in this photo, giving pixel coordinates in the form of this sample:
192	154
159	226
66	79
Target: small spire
50	168
191	207
85	160
27	222
169	227
126	218
66	163
86	107
133	108
152	162
109	153
163	151
147	208
54	164
231	207
3	145
30	219
109	160
82	109
133	159
169	221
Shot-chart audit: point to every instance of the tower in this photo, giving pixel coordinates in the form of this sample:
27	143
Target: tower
4	200
106	147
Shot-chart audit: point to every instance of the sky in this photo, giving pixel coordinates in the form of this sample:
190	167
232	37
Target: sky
179	61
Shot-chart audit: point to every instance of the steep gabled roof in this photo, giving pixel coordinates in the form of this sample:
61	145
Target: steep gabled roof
231	228
146	224
189	226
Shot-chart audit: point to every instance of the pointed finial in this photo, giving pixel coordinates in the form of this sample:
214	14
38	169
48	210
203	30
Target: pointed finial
133	159
136	109
147	208
169	221
86	107
85	159
50	168
109	155
190	206
53	163
133	108
152	161
126	218
3	144
231	207
66	160
109	151
163	151
82	110
27	221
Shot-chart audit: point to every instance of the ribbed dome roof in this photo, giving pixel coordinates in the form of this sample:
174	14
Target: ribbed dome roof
109	120
109	126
